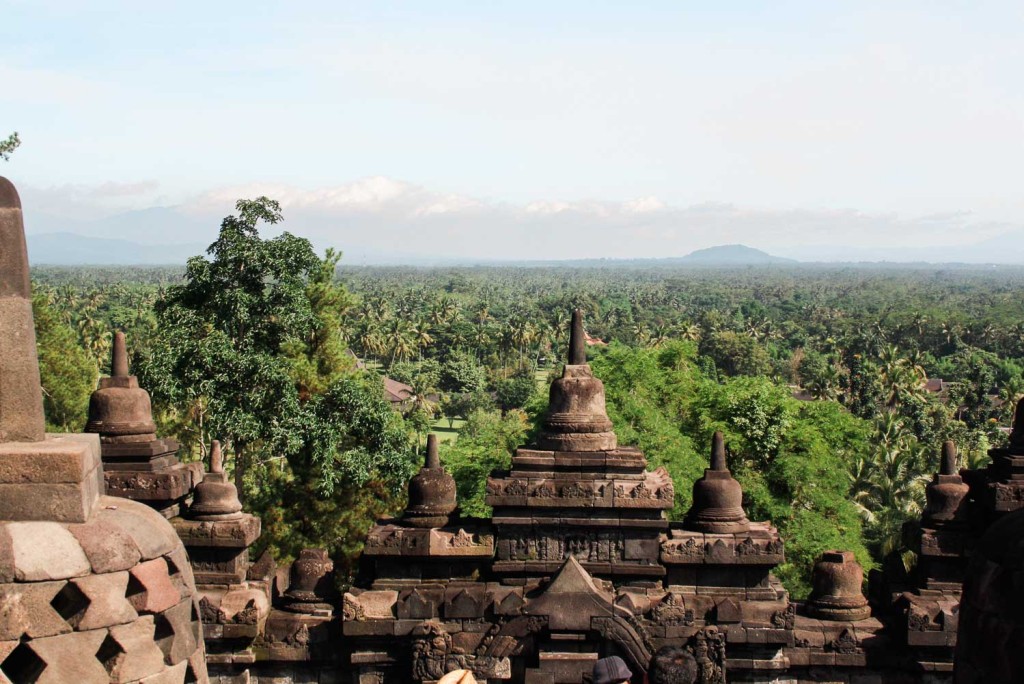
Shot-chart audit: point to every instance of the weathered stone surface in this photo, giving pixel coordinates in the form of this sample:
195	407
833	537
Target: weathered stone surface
152	590
21	398
167	484
56	459
26	610
107	603
174	674
68	660
236	533
28	495
152	535
130	652
175	633
106	544
571	600
7	571
196	669
991	623
45	551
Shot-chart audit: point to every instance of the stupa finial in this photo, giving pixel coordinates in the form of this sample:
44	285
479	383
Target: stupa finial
577	340
948	466
119	357
216	457
433	460
718	461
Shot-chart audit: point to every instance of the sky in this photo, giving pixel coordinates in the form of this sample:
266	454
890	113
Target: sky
511	130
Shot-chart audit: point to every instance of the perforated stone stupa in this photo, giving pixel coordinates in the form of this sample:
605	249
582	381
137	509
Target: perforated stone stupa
92	588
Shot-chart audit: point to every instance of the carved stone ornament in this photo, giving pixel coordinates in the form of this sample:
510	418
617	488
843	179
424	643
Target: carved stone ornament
708	649
433	654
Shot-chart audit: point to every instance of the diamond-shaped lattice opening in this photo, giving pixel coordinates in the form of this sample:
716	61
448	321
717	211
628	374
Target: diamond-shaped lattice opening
22	665
172	567
110	655
70	603
163	634
135	593
191	677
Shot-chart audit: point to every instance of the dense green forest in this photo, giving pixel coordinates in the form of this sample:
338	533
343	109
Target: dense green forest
818	376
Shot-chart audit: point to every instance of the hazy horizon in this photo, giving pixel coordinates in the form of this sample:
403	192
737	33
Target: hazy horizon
852	131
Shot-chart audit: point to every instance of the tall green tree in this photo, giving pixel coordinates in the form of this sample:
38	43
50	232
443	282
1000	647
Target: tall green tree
226	327
67	371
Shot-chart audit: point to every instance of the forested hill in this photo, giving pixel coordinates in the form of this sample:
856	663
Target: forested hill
733	255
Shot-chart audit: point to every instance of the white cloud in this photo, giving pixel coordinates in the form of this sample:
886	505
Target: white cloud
379	216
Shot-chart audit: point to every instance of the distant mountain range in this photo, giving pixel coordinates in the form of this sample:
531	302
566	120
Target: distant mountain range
73	249
70	249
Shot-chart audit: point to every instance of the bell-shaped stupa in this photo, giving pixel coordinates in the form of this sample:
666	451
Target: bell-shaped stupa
577	419
717	497
431	492
120	411
216	497
837	595
946	492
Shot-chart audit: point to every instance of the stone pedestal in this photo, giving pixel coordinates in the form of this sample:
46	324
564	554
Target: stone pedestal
601	507
234	602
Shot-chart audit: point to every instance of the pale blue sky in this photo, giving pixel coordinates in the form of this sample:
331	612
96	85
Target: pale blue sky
594	113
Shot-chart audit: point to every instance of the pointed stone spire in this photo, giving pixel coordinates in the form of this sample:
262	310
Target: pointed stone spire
718	452
433	460
717	497
21	394
216	497
119	357
431	492
945	494
577	340
577	418
948	466
216	457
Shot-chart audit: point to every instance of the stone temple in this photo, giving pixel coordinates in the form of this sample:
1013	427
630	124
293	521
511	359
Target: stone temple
120	563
